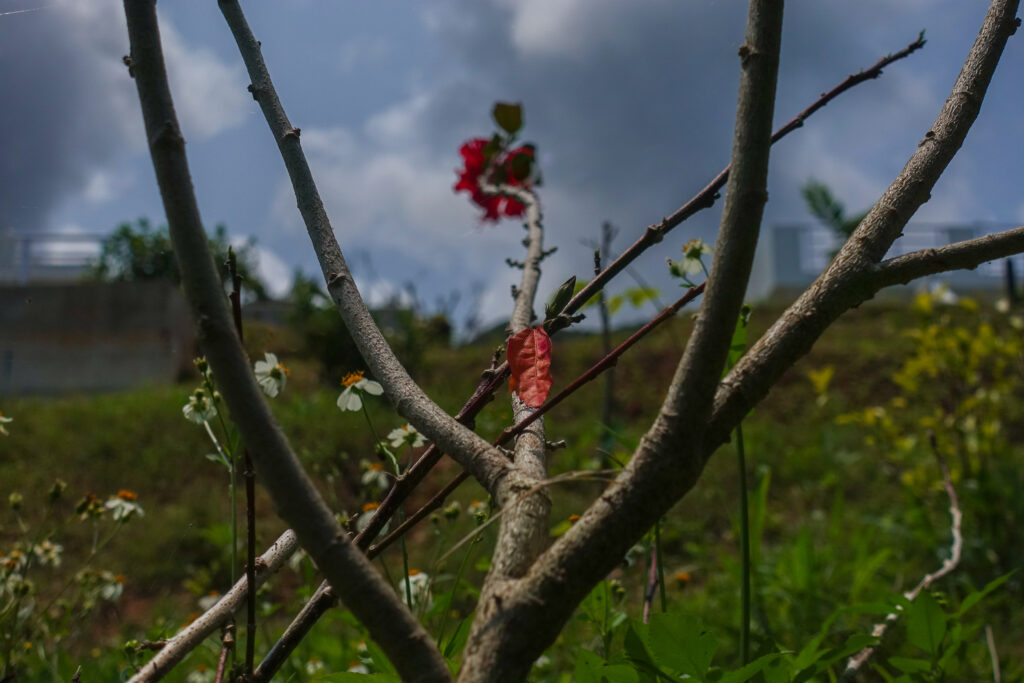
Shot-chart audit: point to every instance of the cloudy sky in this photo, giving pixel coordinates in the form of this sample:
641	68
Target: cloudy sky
630	103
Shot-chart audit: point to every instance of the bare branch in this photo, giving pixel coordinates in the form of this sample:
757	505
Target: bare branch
461	443
362	589
525	507
323	599
668	460
851	278
524	529
176	648
701	366
705	199
968	254
948	565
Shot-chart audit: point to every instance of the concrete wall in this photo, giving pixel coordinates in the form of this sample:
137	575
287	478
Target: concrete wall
92	337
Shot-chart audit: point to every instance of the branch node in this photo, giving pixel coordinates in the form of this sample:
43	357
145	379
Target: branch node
293	133
128	63
168	135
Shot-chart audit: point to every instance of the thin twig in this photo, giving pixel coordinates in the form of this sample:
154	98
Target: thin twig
249	474
990	641
175	649
608	361
948	565
705	199
495	375
315	608
227	647
652	584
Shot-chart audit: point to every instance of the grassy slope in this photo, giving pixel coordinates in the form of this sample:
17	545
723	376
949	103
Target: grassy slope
831	511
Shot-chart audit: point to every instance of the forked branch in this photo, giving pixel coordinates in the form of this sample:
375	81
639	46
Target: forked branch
362	589
668	461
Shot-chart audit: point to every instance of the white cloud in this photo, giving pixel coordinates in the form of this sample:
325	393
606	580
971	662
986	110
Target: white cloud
399	125
363	51
102	185
271	269
209	95
569	28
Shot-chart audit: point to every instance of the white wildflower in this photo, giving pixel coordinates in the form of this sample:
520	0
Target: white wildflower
48	553
374	475
271	375
418	588
355	385
123	506
406	435
199	408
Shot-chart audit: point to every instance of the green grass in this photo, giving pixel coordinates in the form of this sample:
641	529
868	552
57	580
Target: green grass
839	524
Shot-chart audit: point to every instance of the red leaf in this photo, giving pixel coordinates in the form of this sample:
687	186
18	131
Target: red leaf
529	360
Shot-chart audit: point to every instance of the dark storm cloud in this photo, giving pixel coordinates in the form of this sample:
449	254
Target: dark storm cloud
70	117
50	135
638	110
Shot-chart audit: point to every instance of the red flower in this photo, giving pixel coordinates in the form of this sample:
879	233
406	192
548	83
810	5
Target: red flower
475	166
473	155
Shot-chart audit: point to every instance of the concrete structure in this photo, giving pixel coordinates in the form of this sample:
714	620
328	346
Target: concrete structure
88	337
46	257
790	257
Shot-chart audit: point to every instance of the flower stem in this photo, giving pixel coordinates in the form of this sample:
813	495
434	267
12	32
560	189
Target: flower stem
660	563
744	550
451	596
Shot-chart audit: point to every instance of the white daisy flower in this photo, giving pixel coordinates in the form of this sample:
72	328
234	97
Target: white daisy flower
693	254
419	589
271	375
406	435
199	408
123	505
355	384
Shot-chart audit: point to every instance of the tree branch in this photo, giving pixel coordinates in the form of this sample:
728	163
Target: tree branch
668	460
362	589
467	448
968	255
493	377
525	507
178	647
851	278
523	529
705	199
